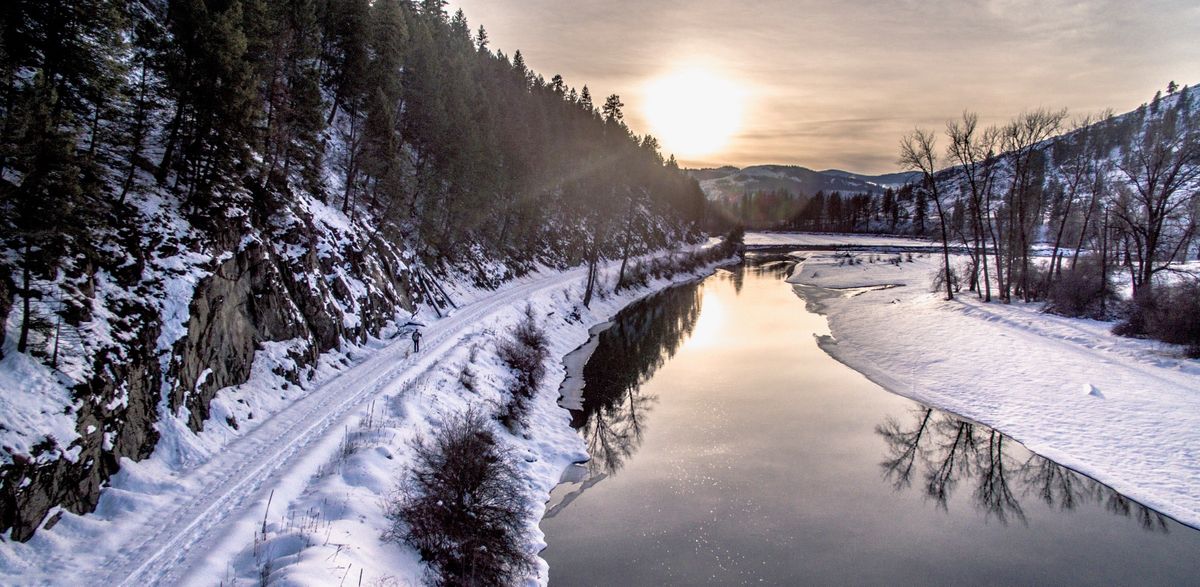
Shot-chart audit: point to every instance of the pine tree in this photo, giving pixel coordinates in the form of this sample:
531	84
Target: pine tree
345	55
213	85
612	109
481	40
291	90
585	100
381	142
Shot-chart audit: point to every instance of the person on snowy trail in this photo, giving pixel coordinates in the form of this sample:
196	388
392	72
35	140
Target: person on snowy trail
416	336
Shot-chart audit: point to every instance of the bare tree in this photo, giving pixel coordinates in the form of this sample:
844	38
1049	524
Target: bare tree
1159	191
1077	170
974	151
1021	139
918	152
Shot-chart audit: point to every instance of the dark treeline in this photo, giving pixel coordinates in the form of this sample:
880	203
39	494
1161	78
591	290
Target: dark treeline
183	180
390	109
888	212
864	212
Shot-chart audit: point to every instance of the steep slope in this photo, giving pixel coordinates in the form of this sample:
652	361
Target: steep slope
197	195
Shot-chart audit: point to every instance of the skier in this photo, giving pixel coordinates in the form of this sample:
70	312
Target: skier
416	336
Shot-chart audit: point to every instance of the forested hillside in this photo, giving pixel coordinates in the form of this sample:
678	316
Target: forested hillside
189	188
1054	171
1112	201
798	198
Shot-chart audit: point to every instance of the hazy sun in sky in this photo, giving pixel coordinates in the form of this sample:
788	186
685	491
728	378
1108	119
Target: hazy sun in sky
693	112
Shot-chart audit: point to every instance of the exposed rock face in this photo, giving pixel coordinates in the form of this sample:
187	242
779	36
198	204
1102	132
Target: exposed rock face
75	485
243	303
285	278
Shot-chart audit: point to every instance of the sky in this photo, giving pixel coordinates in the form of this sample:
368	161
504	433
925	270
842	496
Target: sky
836	84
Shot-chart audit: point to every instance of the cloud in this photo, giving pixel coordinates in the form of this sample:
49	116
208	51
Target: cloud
839	82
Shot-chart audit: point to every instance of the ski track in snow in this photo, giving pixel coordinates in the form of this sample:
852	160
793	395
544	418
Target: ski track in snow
170	543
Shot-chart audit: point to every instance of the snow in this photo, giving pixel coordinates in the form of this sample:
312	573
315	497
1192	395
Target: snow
35	405
816	239
312	465
1124	411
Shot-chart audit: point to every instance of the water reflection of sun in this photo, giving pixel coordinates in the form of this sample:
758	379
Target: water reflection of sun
712	319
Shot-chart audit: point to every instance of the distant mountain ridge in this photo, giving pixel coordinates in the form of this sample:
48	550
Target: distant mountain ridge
729	183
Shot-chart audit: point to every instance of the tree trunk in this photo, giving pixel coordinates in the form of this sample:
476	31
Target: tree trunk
26	293
1103	265
937	201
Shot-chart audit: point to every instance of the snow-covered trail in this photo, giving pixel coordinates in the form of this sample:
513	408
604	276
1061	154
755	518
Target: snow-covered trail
232	486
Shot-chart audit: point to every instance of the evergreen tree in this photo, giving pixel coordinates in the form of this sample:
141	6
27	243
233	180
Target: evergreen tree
585	100
611	111
213	85
481	40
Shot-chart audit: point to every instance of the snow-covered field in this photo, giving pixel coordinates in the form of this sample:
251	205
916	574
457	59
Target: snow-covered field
299	497
1124	411
819	239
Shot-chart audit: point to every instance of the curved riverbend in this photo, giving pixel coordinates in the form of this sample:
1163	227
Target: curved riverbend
727	447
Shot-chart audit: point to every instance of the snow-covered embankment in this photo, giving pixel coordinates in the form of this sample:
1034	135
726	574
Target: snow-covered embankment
1124	411
329	525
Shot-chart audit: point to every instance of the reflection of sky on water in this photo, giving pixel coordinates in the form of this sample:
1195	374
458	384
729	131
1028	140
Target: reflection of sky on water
728	448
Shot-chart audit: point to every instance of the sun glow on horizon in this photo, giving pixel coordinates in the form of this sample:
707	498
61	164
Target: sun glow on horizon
694	112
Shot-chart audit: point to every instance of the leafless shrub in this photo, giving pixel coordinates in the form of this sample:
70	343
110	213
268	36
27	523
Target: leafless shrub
1079	292
1167	313
939	281
460	506
525	353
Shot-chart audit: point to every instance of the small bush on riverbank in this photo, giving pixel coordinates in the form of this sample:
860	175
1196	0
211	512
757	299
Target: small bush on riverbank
460	506
525	352
1167	313
1079	292
939	281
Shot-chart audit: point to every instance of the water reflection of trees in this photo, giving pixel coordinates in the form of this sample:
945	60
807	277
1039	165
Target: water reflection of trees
944	452
643	338
757	264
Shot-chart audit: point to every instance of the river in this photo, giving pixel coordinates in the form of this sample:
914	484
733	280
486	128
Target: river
727	448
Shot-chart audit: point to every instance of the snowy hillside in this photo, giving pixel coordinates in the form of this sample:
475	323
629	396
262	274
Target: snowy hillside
206	210
730	183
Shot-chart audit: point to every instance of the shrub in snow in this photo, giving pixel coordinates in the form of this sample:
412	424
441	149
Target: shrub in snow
466	377
1167	313
460	506
524	352
939	281
1079	292
636	275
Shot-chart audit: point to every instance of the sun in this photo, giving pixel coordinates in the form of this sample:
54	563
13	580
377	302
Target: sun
693	112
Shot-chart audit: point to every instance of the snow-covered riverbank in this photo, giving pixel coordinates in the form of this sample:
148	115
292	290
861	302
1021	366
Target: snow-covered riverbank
1124	411
332	528
299	497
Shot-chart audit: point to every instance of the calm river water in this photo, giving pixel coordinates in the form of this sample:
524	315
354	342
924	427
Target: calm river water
728	448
